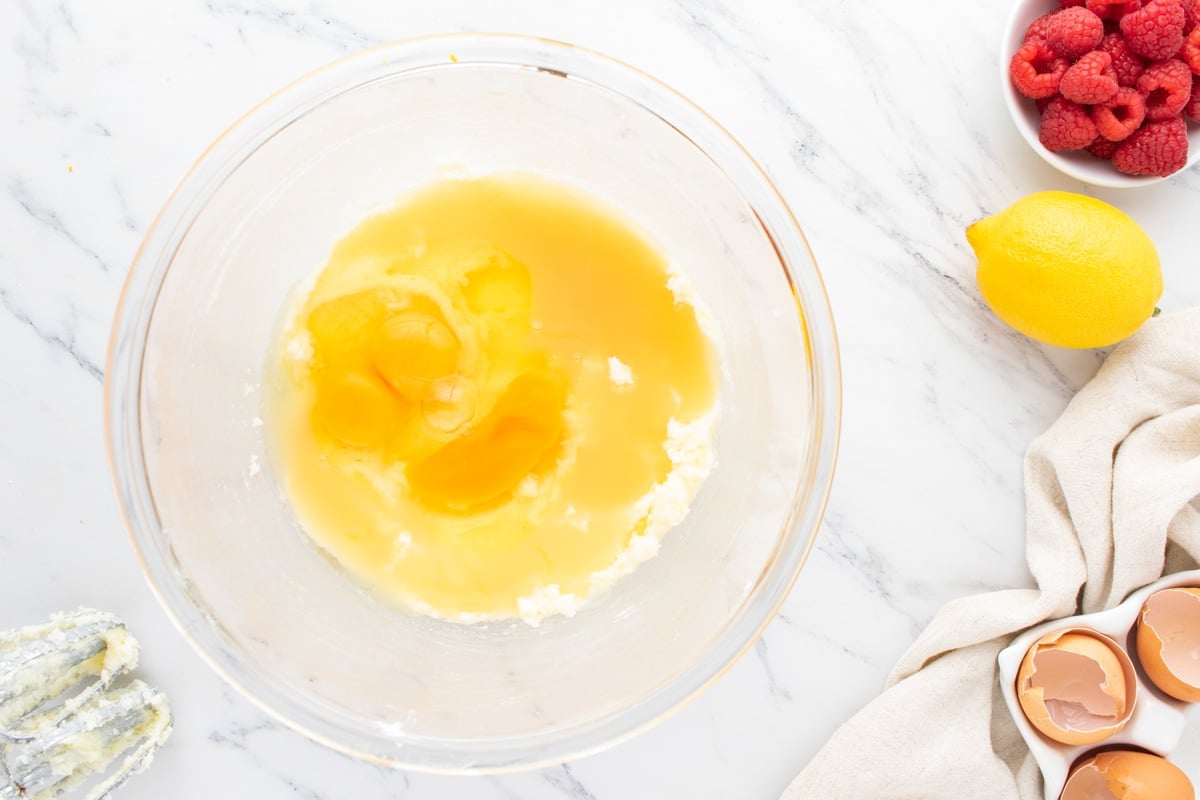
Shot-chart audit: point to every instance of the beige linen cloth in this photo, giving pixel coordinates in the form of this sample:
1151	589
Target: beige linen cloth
1111	493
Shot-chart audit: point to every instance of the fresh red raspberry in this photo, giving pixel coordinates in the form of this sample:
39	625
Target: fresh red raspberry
1120	116
1125	62
1037	28
1158	148
1192	109
1190	52
1167	86
1156	29
1090	79
1112	9
1191	15
1036	71
1102	148
1066	126
1073	32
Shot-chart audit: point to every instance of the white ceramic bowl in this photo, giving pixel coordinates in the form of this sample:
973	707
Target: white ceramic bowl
1078	164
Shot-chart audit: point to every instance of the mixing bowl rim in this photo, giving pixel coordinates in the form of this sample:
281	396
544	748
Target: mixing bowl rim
758	607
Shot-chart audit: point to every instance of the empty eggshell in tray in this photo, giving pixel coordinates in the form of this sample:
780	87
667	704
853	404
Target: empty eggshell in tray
1076	686
1127	775
1168	642
1156	720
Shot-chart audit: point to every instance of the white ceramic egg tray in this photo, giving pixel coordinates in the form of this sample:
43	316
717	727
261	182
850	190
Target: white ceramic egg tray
1157	721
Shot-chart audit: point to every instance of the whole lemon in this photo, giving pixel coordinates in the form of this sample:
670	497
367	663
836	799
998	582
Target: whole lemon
1067	269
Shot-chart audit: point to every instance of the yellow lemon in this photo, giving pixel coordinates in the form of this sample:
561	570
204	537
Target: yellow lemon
1067	269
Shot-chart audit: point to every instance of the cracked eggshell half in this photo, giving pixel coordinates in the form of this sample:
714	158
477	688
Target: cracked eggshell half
1127	775
1076	686
1168	642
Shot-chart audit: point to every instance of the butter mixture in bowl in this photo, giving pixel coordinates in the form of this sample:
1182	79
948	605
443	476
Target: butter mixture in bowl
493	401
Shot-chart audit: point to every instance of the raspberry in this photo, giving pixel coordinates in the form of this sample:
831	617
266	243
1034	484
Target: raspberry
1036	71
1112	9
1037	28
1156	29
1066	126
1120	116
1090	79
1075	31
1158	148
1192	109
1167	86
1102	148
1190	52
1125	63
1191	15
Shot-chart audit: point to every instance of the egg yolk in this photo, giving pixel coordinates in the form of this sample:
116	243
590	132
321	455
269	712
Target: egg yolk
504	448
413	349
472	403
357	409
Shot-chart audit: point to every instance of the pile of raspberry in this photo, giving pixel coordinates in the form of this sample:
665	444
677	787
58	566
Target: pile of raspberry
1117	78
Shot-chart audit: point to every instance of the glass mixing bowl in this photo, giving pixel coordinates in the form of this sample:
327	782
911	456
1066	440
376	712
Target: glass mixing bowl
258	214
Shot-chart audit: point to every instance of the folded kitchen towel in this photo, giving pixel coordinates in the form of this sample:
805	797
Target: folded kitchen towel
1112	495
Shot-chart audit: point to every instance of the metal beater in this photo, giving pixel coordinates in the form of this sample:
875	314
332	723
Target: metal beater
65	714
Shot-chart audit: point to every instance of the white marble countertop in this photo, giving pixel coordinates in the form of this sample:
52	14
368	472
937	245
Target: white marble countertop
882	124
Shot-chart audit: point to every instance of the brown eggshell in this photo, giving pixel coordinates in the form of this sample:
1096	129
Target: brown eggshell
1168	642
1127	775
1076	686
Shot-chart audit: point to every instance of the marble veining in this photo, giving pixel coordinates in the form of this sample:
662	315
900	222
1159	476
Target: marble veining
887	136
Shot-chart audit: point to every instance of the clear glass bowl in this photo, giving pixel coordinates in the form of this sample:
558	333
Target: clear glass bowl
258	214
